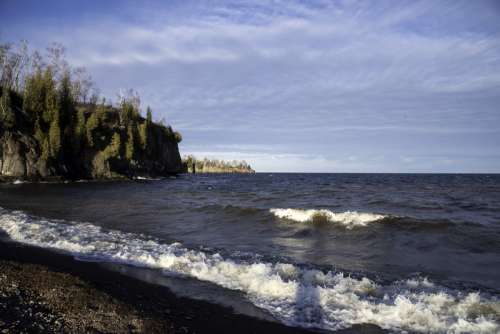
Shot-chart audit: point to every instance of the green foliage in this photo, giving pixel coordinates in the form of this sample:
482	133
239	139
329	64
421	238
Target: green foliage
55	136
66	104
80	130
128	113
149	116
91	127
46	98
51	107
114	148
45	149
143	135
177	137
7	113
34	94
207	165
130	145
39	134
101	112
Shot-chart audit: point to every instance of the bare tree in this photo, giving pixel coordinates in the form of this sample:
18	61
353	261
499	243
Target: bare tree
129	96
82	84
56	54
13	62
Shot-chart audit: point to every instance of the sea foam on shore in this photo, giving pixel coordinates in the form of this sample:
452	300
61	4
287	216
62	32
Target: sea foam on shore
295	295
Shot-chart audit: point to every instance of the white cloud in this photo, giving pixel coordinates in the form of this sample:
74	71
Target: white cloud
265	70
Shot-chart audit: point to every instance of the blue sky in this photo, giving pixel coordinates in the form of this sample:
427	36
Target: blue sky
312	86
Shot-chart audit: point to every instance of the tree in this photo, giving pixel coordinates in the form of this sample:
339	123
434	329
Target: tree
130	145
51	108
13	64
114	148
57	62
101	112
80	131
34	94
143	134
177	137
66	104
82	84
91	126
55	137
45	149
145	129
7	113
149	116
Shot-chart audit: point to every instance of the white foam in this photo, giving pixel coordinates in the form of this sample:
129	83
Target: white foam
300	297
349	219
144	178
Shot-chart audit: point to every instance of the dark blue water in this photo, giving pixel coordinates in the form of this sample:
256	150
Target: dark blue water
387	227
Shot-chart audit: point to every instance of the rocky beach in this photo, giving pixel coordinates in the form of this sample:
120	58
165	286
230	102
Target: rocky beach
46	292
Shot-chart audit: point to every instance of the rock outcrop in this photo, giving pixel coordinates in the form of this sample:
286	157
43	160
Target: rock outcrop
194	165
20	159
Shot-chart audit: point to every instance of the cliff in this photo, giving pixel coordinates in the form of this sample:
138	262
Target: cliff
194	165
53	127
97	142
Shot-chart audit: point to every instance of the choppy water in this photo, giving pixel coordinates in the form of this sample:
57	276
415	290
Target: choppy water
406	252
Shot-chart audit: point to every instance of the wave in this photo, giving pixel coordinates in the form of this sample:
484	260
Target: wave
348	219
296	296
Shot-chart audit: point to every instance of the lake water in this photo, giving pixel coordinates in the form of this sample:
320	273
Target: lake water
419	253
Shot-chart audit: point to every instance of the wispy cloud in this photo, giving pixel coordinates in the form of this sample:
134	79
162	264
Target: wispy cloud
355	74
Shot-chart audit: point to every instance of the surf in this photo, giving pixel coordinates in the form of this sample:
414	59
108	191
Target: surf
297	296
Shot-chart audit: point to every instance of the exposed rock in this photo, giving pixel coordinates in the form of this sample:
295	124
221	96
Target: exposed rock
13	156
20	158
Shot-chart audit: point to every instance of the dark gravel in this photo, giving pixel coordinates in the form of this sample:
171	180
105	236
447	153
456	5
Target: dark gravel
47	292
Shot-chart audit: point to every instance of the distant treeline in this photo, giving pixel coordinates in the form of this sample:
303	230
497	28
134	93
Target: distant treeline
194	165
44	98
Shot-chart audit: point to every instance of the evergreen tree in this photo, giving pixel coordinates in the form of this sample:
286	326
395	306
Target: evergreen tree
55	136
114	148
51	107
45	149
143	135
66	105
101	112
149	116
91	127
7	113
130	145
34	94
80	130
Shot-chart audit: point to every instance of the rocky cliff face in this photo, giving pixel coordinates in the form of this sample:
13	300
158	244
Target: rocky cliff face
21	159
19	156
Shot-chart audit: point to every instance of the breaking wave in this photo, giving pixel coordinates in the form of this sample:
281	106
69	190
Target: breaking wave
294	295
348	219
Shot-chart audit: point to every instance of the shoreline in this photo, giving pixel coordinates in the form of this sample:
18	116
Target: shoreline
43	291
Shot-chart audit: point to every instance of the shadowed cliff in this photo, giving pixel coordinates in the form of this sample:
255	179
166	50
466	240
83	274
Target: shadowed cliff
51	127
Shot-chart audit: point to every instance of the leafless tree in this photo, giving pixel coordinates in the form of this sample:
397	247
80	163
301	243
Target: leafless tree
13	62
82	84
56	54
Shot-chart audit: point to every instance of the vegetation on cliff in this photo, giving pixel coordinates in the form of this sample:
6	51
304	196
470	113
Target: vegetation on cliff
193	165
53	123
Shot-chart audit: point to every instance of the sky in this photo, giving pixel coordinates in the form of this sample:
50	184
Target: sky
295	86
